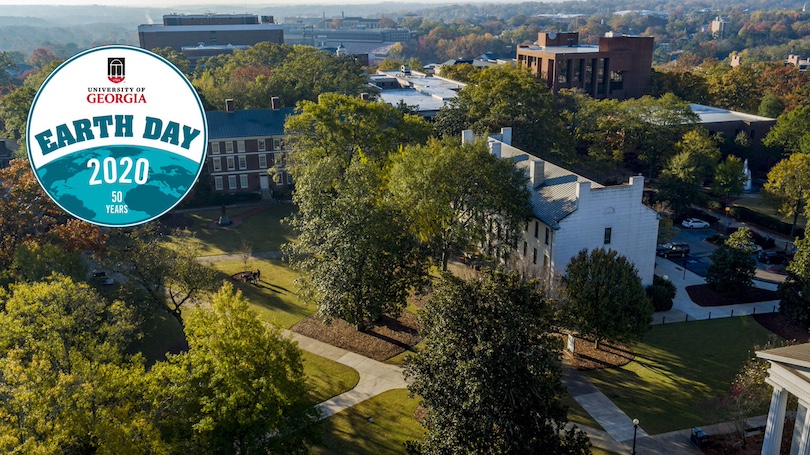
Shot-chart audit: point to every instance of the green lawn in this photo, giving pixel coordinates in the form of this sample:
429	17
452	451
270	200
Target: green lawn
275	299
327	377
263	231
679	370
765	207
578	415
350	433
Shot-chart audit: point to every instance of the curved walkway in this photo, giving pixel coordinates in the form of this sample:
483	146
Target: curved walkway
375	377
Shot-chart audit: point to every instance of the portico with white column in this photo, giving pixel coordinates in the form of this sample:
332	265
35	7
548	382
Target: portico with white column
788	374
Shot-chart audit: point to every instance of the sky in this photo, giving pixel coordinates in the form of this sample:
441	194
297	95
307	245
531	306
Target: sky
232	3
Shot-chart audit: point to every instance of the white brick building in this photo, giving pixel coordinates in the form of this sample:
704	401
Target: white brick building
571	213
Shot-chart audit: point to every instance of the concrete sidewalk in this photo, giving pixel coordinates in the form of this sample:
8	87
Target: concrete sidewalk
238	257
375	377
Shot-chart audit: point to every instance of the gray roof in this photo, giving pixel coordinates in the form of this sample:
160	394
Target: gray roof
556	197
247	123
797	355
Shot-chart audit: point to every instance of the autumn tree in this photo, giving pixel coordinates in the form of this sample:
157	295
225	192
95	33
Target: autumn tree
604	297
476	199
239	389
489	373
508	96
175	58
789	182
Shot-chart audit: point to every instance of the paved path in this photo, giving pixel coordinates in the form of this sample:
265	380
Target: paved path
375	377
238	257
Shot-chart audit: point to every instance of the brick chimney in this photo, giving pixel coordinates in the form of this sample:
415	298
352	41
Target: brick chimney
229	105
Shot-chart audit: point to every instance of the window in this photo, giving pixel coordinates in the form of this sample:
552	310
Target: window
548	235
217	164
242	162
229	147
608	232
240	146
263	161
283	162
261	145
288	178
215	147
276	143
230	163
232	182
536	229
218	182
525	248
534	255
243	181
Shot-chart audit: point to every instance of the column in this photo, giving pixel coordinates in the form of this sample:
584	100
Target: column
776	421
801	432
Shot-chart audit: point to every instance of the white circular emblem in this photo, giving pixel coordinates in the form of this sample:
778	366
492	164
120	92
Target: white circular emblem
117	136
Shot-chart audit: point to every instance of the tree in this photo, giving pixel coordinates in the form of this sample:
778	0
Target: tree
477	199
790	130
239	389
462	73
733	265
729	178
175	58
37	261
679	184
703	151
604	296
507	96
795	291
359	257
789	183
489	373
162	276
65	384
770	106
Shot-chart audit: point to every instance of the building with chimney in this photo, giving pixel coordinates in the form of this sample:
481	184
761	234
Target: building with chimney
618	68
571	213
246	150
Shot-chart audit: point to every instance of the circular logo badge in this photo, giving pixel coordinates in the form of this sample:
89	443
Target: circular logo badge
116	136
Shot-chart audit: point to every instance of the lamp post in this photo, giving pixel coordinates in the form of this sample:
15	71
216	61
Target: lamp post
635	431
728	219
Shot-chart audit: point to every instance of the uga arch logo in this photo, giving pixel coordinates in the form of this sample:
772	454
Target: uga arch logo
119	150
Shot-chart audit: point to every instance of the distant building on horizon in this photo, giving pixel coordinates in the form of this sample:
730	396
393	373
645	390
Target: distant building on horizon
618	68
214	31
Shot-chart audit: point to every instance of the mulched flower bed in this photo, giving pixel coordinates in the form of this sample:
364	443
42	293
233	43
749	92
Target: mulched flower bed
389	338
587	357
780	325
705	296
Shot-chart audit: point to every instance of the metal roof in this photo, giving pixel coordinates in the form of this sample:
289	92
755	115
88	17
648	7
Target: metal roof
556	197
709	114
247	123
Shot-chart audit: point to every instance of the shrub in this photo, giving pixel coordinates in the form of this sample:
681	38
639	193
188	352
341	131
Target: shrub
714	205
661	292
765	221
716	239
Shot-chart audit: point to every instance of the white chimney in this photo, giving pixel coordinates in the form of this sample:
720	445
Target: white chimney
537	172
495	148
229	105
506	135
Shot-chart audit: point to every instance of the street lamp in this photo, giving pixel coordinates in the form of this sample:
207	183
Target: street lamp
635	431
728	219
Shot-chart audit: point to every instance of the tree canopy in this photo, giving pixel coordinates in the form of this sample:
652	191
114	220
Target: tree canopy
460	197
604	296
733	265
795	291
489	373
789	183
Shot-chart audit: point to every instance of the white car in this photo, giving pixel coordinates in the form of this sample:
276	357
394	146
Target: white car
694	223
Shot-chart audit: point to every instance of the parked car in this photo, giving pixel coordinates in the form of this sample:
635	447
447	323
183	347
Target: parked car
772	257
678	249
694	223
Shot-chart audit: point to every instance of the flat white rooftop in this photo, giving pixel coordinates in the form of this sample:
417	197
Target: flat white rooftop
709	114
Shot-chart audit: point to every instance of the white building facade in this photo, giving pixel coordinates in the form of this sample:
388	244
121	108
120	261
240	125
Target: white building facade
571	213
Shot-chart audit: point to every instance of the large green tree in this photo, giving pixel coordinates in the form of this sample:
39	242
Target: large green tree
789	183
604	297
507	96
239	389
729	178
358	255
733	265
791	131
460	197
489	373
65	386
795	291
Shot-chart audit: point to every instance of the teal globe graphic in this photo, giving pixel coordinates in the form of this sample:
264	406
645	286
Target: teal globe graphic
118	185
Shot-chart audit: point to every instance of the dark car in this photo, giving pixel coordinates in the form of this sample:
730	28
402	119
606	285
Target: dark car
772	257
679	249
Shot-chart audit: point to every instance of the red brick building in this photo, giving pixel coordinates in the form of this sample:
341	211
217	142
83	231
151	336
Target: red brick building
618	68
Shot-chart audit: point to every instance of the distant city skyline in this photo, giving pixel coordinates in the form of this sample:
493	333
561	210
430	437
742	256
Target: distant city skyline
224	3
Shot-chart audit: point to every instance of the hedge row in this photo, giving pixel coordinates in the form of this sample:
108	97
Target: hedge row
768	222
